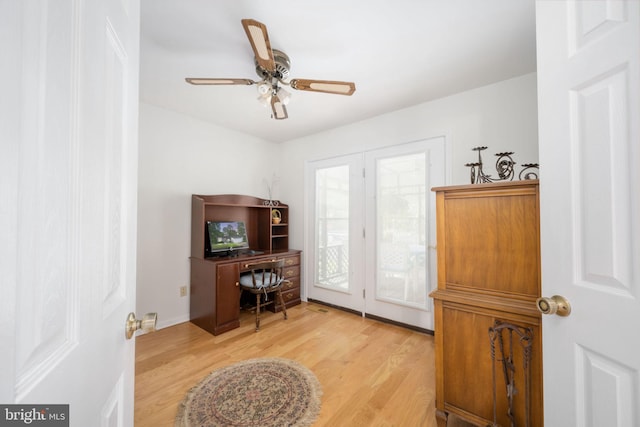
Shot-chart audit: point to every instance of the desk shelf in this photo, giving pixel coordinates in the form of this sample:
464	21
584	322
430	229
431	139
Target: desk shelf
262	233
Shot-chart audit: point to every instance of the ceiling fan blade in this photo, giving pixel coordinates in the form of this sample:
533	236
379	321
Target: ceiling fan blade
257	33
208	81
326	86
278	108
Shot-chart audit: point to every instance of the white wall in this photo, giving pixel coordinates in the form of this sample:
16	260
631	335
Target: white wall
180	156
502	116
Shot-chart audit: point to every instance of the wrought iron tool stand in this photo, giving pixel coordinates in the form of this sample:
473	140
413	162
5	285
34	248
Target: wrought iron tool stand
525	339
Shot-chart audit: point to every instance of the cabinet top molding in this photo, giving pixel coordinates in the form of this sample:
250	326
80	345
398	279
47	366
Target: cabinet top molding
523	183
238	200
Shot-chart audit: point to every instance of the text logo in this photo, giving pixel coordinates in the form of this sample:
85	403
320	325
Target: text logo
34	415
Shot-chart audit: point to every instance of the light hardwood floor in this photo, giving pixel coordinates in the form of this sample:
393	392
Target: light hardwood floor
372	373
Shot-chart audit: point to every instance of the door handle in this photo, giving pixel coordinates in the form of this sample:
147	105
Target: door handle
147	323
555	305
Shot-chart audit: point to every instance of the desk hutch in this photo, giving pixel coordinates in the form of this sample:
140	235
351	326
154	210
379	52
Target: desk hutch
488	246
215	292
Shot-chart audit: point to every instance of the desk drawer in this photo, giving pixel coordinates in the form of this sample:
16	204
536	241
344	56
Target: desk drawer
291	298
291	260
290	294
293	271
290	290
292	283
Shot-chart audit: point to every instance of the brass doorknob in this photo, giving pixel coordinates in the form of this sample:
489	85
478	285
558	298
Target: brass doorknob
147	323
555	305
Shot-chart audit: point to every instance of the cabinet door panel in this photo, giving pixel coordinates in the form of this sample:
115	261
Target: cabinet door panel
227	296
492	243
468	366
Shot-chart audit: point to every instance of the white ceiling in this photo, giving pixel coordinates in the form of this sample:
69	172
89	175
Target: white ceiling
399	53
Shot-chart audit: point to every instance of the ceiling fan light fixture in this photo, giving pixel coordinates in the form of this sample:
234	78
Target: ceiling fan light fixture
264	88
284	95
265	100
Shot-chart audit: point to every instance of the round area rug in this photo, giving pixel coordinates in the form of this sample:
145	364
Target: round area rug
256	392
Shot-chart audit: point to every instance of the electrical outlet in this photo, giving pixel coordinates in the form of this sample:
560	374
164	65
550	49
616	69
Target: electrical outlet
183	291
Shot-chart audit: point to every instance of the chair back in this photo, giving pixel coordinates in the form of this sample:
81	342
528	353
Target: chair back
267	275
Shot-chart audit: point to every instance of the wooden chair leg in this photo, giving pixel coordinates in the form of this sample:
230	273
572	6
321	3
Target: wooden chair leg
284	307
257	312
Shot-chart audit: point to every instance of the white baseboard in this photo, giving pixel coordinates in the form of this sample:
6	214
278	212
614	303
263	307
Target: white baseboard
165	323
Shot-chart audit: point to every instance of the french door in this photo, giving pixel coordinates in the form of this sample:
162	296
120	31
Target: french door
372	236
336	236
401	230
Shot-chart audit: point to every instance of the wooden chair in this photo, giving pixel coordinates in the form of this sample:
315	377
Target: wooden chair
264	278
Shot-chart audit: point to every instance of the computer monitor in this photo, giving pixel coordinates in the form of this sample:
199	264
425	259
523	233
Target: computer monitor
225	236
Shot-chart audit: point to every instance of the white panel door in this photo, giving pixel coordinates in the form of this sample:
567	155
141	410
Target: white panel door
589	118
68	215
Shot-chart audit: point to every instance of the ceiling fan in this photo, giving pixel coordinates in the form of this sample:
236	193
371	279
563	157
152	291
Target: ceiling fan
272	66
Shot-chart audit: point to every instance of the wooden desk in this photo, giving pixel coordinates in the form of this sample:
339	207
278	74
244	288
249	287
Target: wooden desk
215	293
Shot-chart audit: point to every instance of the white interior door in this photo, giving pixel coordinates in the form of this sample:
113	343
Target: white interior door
68	215
400	269
589	118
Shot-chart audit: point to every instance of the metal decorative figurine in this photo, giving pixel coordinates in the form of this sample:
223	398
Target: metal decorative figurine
529	171
270	186
504	167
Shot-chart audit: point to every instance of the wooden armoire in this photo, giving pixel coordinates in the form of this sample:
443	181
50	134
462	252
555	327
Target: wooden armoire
488	246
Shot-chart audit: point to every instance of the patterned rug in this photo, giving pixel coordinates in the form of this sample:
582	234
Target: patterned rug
256	392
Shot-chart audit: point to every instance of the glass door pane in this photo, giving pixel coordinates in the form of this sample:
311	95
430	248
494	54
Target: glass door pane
401	208
332	227
400	222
